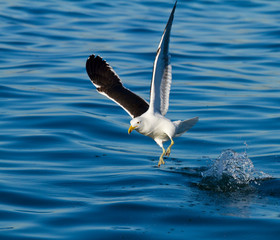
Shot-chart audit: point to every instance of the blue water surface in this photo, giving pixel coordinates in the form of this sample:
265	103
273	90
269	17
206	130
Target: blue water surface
68	168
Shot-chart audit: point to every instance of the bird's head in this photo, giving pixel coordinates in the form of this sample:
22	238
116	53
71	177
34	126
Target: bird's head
135	123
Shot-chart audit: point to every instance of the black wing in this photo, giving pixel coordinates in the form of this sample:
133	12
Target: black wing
108	83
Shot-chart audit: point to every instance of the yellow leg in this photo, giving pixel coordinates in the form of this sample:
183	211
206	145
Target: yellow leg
161	161
168	150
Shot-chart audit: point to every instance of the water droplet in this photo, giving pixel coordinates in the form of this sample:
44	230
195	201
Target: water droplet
230	171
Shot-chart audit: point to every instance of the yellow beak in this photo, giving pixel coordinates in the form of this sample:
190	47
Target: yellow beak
131	129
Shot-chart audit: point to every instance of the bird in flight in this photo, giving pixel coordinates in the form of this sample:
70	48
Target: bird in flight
147	118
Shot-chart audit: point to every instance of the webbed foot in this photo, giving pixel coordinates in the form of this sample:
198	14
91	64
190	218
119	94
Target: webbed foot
161	161
168	150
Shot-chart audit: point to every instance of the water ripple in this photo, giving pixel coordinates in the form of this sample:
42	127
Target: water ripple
68	168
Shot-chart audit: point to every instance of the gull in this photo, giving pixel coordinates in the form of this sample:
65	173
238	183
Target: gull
147	118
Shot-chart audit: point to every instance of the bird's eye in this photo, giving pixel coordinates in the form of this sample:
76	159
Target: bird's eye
138	122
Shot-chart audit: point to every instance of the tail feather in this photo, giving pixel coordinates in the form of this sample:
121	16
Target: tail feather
183	126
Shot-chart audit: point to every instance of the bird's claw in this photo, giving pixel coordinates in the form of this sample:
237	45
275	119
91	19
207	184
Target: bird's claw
167	153
161	161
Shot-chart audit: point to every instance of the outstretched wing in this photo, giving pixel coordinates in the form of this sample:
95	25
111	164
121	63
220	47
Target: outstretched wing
108	83
162	77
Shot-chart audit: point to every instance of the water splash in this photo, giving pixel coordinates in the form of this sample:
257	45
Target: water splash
231	171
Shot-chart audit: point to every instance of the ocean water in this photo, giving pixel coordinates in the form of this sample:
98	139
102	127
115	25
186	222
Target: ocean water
68	168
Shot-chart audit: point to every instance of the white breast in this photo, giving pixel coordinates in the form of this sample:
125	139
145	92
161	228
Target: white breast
157	126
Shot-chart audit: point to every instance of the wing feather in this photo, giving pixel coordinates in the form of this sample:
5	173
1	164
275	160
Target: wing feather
108	83
162	72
